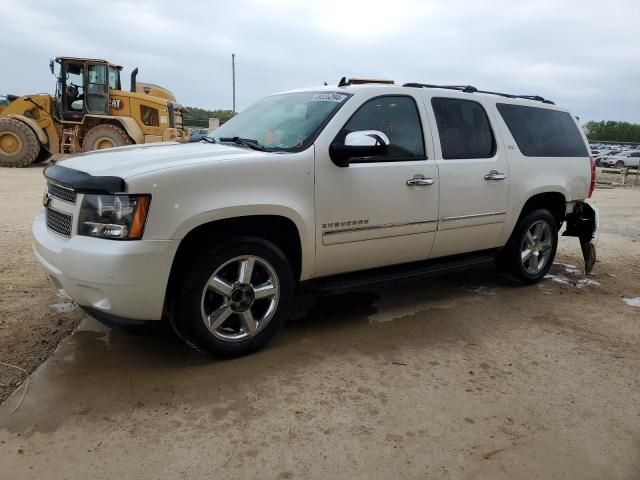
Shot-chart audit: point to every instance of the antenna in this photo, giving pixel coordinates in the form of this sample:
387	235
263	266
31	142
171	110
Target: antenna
233	80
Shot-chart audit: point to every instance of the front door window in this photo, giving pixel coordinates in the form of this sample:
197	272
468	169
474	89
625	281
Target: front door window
397	117
74	87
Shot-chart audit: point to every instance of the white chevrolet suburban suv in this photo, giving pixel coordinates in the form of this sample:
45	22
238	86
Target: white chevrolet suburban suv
321	189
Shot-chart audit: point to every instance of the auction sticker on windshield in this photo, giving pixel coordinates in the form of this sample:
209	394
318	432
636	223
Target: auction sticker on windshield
329	97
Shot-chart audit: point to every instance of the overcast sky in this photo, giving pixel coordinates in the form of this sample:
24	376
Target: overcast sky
584	55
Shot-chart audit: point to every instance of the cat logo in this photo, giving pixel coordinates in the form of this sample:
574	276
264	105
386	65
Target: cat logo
116	103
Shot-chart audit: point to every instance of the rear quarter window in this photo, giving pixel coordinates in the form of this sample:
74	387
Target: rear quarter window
541	132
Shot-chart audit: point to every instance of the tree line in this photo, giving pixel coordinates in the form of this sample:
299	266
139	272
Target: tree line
612	131
199	117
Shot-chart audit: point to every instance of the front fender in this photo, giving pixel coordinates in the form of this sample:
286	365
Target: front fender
38	130
128	123
243	211
305	230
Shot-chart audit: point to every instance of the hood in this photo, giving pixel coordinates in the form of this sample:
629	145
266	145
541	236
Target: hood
126	162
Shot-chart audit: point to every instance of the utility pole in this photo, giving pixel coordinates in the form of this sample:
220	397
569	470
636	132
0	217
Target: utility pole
233	79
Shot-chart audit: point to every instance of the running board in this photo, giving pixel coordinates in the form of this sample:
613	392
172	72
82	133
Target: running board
396	273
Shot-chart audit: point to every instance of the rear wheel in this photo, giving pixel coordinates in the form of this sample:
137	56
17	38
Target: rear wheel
620	163
105	136
236	297
530	252
19	145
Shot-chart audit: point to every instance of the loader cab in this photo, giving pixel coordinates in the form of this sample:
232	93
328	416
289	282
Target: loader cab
83	87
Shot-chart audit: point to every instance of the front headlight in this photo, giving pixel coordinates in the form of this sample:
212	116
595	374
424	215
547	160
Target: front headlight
119	217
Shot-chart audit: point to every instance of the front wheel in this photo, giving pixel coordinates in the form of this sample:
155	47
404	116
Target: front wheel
530	252
236	297
105	136
19	145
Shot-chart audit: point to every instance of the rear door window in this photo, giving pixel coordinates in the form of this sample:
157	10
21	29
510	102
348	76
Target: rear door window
464	129
542	132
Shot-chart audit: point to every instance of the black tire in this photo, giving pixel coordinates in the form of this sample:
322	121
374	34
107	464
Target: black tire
620	163
105	136
192	301
511	257
43	156
19	145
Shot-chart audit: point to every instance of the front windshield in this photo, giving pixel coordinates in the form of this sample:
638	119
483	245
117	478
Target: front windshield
285	122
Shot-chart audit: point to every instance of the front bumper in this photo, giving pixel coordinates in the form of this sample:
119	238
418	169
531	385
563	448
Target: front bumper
117	278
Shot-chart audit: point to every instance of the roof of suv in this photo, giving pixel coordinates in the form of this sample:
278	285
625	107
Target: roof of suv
454	91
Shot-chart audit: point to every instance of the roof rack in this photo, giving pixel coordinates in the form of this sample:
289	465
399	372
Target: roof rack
360	81
472	89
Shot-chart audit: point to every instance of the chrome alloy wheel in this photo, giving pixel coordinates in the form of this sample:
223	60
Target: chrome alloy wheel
536	247
240	298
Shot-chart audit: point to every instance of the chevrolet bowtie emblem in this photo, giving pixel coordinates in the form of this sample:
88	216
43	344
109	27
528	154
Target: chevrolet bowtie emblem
46	200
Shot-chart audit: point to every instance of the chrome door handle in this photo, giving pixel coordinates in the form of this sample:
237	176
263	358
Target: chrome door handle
419	181
495	175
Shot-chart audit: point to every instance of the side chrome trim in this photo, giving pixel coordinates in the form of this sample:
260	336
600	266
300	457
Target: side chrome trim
475	215
377	227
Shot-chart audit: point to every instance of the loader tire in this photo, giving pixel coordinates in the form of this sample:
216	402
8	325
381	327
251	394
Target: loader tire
105	136
43	156
19	145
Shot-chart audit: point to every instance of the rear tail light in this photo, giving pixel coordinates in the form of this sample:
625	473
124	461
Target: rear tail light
593	177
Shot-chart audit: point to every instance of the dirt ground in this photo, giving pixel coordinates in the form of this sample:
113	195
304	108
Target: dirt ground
33	319
463	376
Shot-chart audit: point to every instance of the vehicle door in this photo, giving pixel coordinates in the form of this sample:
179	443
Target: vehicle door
378	210
474	177
633	160
97	89
72	91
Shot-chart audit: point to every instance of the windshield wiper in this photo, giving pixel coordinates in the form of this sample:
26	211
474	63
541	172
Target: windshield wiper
209	139
248	142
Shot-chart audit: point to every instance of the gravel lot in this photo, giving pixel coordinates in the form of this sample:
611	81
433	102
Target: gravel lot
33	319
464	376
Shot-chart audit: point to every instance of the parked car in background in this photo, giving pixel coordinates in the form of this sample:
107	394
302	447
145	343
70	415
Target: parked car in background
604	154
622	159
198	134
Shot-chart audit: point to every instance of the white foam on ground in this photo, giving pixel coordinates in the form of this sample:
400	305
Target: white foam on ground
580	283
634	302
558	279
63	307
480	290
583	282
568	268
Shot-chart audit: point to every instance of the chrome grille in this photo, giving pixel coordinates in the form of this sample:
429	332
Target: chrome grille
59	222
63	193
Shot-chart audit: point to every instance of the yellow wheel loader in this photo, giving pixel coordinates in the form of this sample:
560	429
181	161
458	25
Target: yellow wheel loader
89	111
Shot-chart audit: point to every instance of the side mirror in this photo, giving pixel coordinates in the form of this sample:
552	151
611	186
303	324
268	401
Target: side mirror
51	67
364	143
